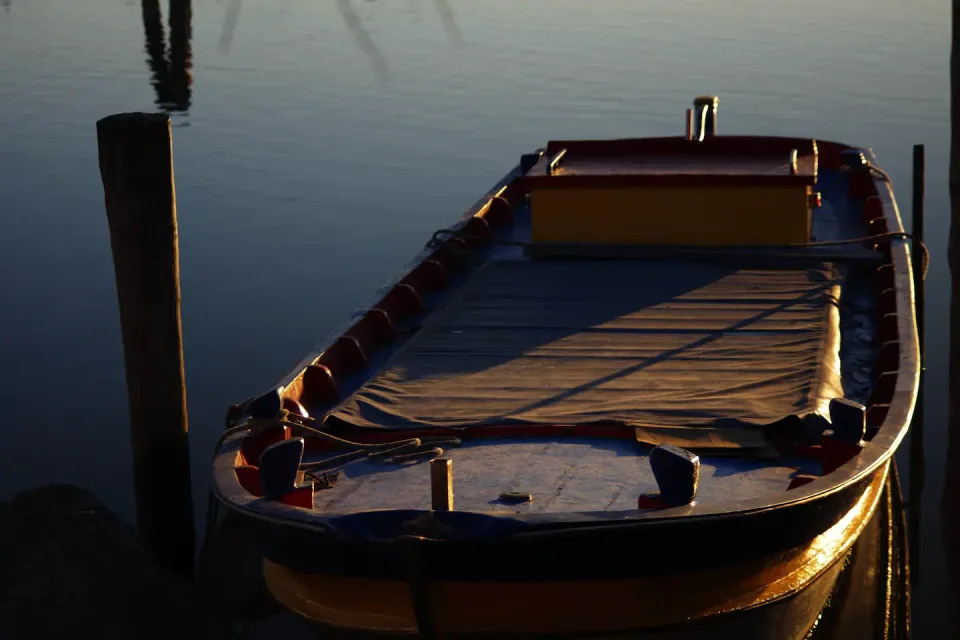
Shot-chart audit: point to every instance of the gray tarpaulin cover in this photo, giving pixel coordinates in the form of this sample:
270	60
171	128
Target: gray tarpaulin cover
690	353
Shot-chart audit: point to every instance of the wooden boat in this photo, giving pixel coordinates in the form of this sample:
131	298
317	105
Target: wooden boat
645	386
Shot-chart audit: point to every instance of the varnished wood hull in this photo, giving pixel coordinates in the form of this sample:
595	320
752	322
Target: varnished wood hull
780	594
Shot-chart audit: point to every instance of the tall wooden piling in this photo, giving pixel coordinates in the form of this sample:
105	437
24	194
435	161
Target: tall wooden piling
136	164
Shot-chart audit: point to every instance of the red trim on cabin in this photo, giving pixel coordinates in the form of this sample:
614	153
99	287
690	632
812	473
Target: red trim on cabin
674	145
319	386
665	180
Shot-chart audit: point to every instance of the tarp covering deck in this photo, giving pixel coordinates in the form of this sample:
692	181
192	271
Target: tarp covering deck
665	346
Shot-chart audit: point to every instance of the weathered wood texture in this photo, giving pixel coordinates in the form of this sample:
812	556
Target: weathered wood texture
72	569
136	164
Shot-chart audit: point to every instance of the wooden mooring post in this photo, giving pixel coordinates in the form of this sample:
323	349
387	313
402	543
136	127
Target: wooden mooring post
136	164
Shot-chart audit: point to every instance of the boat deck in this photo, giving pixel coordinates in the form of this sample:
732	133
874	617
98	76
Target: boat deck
698	353
575	475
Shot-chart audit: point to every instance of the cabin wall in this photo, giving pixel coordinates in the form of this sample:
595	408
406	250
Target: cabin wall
704	216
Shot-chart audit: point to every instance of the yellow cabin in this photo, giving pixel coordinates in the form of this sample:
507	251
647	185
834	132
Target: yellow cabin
702	194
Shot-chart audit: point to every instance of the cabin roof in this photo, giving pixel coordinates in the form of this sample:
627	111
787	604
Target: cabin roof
667	161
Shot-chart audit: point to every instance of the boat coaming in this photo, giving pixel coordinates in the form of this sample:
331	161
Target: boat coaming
458	546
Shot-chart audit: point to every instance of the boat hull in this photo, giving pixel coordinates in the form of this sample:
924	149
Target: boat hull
782	593
671	570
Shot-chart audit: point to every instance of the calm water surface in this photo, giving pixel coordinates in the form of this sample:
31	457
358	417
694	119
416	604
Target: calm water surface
318	143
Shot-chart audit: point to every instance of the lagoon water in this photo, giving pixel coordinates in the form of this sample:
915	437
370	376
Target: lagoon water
318	144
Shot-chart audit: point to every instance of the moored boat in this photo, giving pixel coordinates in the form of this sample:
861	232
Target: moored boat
642	385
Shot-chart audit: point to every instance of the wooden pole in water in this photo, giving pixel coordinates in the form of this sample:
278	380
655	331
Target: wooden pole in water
136	164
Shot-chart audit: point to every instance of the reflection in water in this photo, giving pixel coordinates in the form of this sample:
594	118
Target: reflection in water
449	22
5	4
229	25
170	67
363	39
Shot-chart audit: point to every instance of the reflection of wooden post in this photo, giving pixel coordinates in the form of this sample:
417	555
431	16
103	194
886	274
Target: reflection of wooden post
367	46
170	67
154	46
229	25
136	164
179	75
